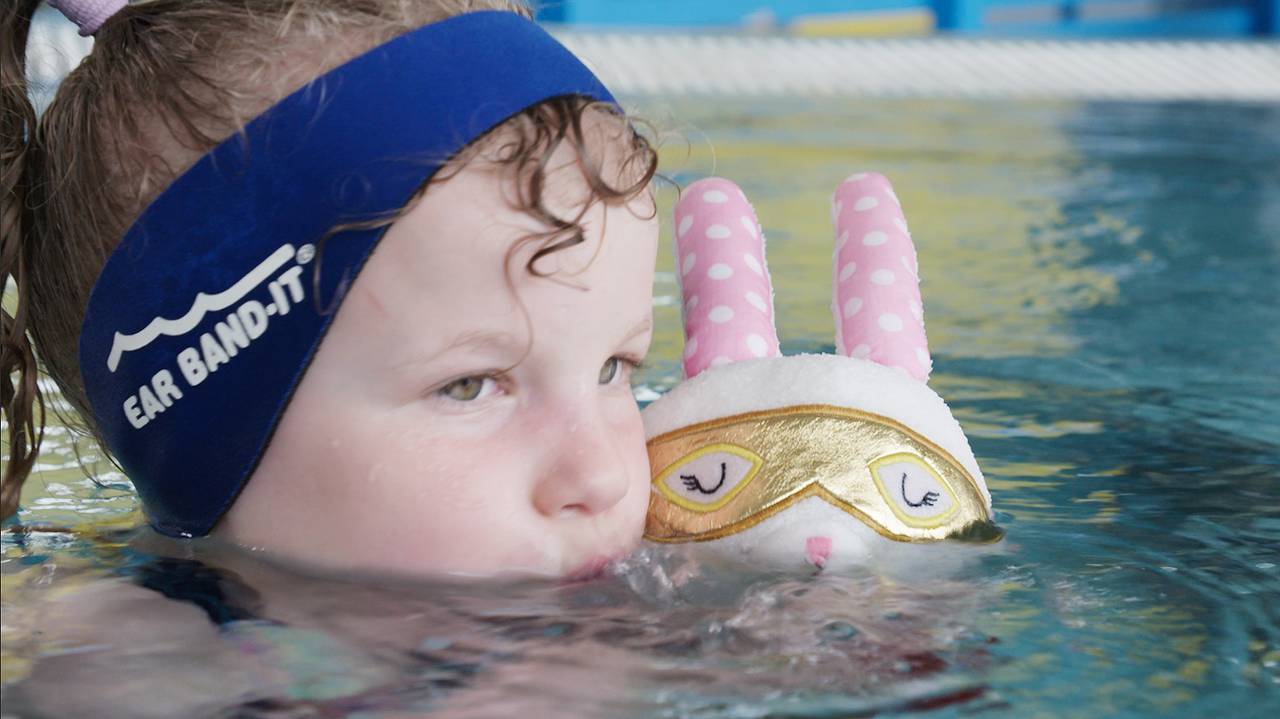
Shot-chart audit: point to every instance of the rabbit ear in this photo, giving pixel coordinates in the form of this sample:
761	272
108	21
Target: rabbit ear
728	298
876	287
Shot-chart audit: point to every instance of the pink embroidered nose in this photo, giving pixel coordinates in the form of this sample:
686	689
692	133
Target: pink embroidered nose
816	550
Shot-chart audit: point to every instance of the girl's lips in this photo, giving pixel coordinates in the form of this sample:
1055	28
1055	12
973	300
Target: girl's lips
591	569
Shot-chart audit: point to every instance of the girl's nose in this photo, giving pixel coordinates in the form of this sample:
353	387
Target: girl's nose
583	473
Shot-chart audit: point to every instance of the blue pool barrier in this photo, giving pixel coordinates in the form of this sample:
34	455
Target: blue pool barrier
1008	18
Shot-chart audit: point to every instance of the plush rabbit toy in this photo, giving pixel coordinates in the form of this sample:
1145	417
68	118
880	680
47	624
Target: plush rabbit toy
808	460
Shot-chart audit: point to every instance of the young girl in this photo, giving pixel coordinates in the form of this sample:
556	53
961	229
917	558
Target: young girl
357	282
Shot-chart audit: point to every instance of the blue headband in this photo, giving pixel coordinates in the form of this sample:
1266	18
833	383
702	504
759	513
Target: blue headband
203	319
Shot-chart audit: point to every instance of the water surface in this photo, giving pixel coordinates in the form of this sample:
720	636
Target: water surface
1101	303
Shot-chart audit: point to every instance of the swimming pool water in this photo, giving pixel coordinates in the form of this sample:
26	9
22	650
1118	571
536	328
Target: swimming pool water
1101	298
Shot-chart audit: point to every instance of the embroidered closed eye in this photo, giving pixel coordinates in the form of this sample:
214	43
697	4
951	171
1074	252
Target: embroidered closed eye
708	478
691	481
914	490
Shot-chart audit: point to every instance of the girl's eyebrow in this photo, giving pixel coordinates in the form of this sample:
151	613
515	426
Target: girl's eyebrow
640	328
498	342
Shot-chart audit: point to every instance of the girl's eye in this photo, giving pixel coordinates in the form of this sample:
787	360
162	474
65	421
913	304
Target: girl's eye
610	370
468	389
617	369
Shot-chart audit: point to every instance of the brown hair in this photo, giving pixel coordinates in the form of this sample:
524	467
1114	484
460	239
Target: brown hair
167	81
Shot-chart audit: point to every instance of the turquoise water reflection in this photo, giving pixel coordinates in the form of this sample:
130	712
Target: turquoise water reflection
1101	302
1102	307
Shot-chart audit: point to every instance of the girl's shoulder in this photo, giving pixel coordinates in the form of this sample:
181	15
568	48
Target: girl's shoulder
168	637
110	648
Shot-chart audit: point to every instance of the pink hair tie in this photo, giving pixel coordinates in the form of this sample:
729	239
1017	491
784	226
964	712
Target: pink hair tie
88	15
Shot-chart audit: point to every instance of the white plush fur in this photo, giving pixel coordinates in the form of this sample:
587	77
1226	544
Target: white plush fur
776	382
781	541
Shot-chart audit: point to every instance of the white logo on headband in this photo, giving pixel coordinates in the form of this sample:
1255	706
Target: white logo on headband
206	303
236	331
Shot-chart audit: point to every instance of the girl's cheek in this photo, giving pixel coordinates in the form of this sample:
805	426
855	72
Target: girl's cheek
463	475
464	488
629	432
621	410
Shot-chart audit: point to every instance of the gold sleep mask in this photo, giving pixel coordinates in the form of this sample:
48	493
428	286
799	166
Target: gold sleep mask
717	478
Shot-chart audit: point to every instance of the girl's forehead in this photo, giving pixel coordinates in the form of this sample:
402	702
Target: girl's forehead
456	245
475	215
431	283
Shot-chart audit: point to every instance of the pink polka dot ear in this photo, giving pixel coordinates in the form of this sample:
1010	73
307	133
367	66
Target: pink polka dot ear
875	291
728	297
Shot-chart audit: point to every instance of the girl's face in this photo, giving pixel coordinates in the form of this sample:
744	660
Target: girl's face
463	415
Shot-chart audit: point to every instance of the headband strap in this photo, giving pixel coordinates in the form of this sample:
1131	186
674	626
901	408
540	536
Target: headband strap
88	15
203	319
